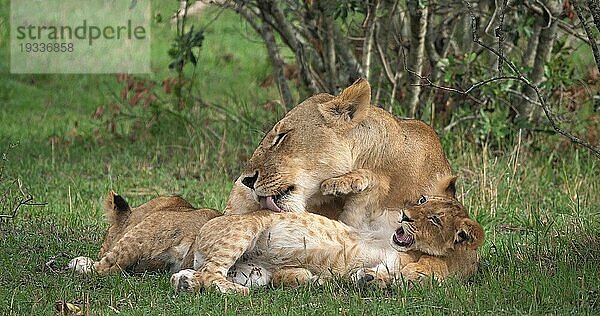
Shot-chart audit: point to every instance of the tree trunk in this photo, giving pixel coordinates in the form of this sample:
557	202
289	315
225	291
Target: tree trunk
542	54
595	10
369	33
418	28
532	44
274	14
466	41
277	63
266	32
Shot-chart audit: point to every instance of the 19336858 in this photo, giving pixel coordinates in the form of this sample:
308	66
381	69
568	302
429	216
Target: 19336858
47	47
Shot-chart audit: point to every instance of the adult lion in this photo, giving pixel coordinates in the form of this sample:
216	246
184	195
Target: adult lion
327	137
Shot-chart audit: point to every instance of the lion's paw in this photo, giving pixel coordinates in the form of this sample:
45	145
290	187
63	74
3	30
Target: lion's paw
343	185
413	272
182	280
359	184
336	186
82	265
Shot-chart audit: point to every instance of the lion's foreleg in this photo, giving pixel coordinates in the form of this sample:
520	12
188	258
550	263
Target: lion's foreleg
364	189
220	246
214	270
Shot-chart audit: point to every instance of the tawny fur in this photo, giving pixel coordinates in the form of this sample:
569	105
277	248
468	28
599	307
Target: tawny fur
157	235
299	246
330	136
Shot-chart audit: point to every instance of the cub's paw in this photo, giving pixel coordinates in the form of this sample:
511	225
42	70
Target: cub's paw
415	273
82	265
230	287
362	277
345	184
182	280
294	277
378	276
249	275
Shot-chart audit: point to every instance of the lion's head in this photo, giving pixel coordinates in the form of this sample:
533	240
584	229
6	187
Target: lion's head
309	145
437	226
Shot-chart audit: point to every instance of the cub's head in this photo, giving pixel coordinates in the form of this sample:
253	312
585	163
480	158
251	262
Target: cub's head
437	226
309	145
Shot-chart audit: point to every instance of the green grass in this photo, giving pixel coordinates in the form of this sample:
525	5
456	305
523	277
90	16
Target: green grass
539	207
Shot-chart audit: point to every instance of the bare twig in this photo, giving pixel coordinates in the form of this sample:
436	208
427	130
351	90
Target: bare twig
471	88
386	66
26	200
523	96
588	31
465	118
566	27
397	77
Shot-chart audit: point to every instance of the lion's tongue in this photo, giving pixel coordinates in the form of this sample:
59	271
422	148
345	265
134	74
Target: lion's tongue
268	202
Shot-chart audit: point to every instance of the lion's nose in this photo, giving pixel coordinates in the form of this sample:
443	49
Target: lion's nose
250	181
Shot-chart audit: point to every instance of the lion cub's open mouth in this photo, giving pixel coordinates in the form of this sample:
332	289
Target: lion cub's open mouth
403	239
272	202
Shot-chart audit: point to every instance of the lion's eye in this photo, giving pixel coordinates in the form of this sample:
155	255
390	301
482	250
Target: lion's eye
422	200
279	138
435	220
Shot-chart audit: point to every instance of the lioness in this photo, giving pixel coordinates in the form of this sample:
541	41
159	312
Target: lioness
157	235
329	136
433	238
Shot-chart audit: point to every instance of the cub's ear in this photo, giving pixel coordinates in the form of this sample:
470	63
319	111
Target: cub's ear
469	234
115	206
350	106
115	203
448	186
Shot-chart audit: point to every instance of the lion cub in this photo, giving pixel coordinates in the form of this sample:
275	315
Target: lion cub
435	237
157	235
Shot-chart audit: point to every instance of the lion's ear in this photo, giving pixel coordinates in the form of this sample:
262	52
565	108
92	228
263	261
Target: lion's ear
350	106
116	207
448	186
469	234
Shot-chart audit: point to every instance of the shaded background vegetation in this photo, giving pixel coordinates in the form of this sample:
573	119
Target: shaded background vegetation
480	62
188	129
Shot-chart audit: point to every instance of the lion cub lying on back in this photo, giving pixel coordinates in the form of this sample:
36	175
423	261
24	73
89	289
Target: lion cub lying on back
433	238
157	235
